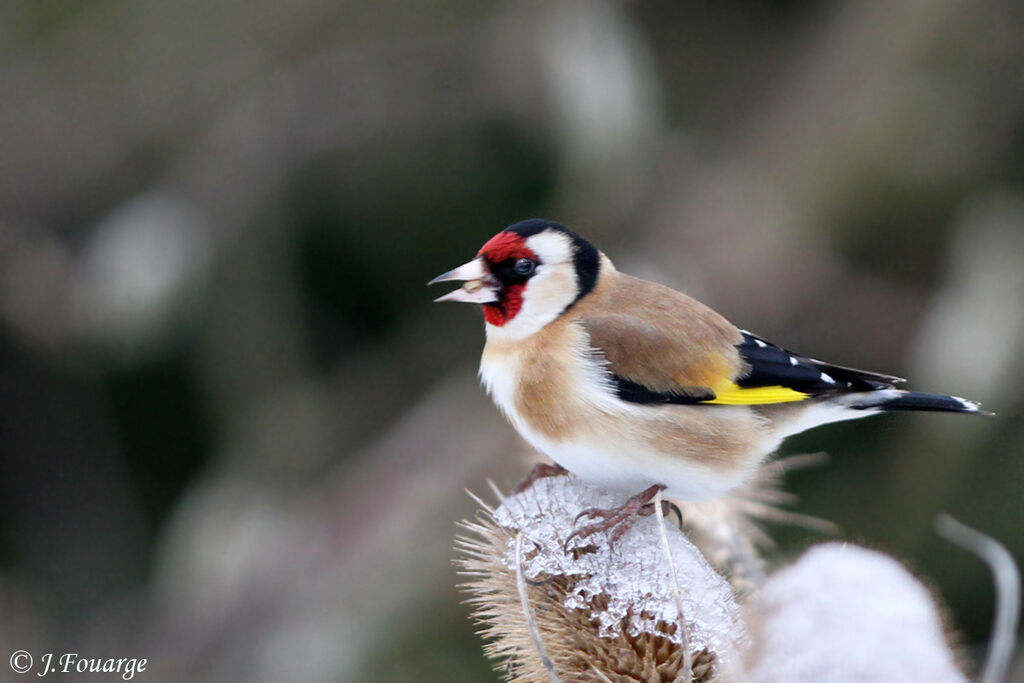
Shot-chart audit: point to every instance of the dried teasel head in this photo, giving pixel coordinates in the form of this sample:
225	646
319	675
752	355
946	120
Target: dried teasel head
597	612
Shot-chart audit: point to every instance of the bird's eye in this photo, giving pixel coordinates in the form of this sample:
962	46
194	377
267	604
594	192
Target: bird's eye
525	266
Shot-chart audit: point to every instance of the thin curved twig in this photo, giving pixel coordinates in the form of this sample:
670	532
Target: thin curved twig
683	639
528	613
1007	580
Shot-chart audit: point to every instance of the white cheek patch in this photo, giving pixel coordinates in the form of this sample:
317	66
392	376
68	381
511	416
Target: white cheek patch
547	293
551	247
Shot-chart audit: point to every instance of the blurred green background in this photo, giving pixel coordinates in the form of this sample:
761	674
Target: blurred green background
236	433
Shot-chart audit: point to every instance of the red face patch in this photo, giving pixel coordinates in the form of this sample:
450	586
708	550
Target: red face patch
502	247
506	308
505	245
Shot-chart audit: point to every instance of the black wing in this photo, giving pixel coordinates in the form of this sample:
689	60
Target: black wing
770	365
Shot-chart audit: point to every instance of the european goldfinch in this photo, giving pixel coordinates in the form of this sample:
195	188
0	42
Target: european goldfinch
631	385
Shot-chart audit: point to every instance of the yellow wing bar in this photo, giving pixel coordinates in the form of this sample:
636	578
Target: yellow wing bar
731	394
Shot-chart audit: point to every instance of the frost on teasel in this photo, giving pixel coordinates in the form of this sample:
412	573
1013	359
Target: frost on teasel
601	611
612	612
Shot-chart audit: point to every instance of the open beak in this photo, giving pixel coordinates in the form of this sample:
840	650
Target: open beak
480	287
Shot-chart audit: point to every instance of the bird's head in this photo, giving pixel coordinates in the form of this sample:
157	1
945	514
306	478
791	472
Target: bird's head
526	276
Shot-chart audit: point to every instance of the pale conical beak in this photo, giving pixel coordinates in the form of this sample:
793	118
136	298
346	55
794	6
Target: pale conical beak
480	287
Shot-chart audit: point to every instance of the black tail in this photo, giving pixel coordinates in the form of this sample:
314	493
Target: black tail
895	399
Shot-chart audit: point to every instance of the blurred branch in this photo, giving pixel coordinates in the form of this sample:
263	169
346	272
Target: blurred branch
245	570
114	83
857	98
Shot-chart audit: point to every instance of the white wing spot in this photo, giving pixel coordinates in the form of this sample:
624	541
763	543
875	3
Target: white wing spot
760	343
825	377
972	406
793	361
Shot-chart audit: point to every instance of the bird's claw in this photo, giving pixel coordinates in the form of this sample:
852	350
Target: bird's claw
539	471
595	512
670	508
621	519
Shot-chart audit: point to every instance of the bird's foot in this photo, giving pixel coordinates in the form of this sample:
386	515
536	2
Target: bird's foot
539	471
621	519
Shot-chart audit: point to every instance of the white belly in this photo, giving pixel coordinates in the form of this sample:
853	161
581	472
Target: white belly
623	467
610	455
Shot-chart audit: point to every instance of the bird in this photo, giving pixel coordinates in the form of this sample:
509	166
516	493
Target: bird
633	386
